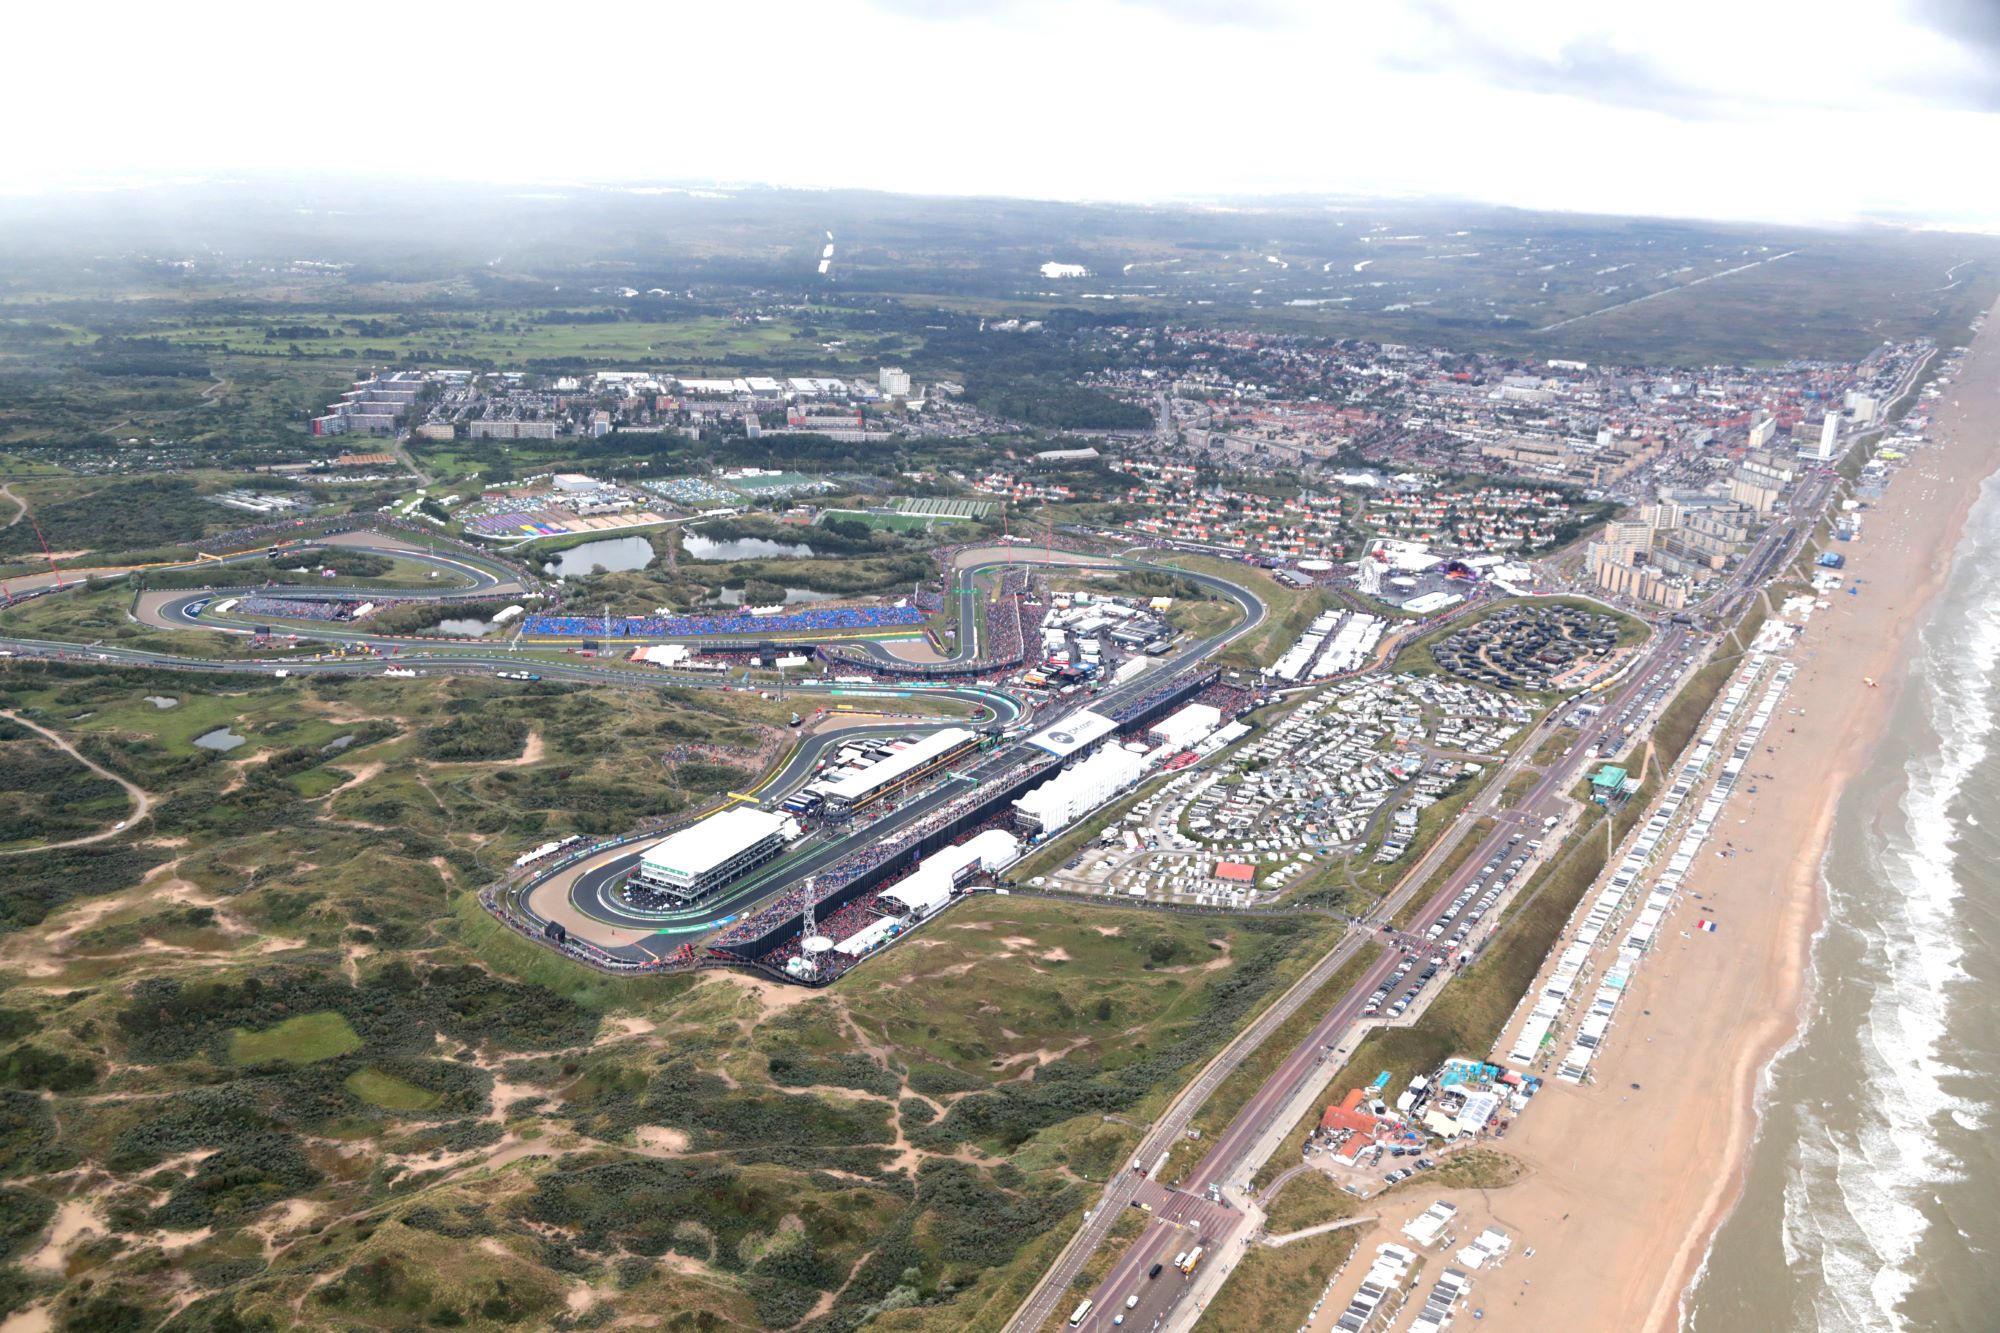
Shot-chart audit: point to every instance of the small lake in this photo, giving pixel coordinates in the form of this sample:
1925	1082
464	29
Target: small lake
463	627
337	744
615	554
161	701
742	548
793	596
221	738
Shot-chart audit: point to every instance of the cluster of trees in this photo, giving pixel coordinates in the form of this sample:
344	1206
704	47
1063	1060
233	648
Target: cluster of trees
120	515
615	1102
1009	1114
33	886
47	795
398	1008
479	736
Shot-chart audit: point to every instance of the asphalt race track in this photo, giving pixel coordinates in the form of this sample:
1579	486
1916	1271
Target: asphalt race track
589	896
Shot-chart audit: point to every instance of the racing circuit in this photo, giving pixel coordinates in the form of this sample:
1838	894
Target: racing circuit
579	895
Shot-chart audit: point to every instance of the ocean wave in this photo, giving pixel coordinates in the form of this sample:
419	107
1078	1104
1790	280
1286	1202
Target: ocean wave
1864	1163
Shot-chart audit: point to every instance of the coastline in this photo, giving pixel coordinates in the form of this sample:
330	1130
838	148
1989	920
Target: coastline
1632	1176
1966	437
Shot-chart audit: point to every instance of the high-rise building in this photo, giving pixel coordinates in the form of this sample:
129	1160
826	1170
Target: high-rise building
1829	433
1628	539
894	382
1761	433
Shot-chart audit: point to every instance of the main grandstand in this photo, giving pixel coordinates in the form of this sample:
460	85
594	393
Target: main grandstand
879	770
701	858
864	924
663	627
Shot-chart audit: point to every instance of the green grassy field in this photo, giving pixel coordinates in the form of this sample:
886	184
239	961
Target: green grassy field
304	1040
1276	1288
387	1091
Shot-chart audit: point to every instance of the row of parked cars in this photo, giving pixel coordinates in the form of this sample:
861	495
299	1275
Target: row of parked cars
1409	996
1476	899
1403	1173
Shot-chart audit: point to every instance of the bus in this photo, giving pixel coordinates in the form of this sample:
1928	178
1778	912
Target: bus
1194	1257
1081	1312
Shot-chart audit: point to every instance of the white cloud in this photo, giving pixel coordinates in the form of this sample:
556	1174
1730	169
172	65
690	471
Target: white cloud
1783	109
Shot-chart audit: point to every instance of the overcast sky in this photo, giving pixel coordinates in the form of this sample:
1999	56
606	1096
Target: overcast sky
1794	110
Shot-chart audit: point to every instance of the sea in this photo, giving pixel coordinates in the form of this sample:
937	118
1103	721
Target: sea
1873	1195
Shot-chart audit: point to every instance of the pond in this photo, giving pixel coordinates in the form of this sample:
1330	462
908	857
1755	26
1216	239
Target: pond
218	739
741	548
461	627
161	701
615	554
793	596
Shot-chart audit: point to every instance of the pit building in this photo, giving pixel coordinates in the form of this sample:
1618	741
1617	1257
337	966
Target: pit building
703	857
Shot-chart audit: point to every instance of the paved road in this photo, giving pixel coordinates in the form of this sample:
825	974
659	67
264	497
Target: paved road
1226	1163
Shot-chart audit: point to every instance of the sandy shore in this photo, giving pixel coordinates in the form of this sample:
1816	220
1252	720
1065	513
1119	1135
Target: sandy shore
1631	1175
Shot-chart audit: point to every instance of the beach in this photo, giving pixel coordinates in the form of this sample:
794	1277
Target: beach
1631	1175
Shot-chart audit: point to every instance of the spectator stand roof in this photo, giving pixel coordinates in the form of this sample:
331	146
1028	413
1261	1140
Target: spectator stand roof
1073	733
699	848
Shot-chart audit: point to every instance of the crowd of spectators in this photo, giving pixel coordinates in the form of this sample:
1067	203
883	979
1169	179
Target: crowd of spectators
848	920
855	916
302	608
1232	701
1011	623
1125	712
237	539
853	866
657	626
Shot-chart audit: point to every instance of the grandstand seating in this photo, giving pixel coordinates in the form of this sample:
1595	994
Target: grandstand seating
808	621
301	608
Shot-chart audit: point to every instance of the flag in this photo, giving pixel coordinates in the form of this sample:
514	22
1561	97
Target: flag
1706	925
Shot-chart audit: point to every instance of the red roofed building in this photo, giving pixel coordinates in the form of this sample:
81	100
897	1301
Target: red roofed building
1237	872
1349	1115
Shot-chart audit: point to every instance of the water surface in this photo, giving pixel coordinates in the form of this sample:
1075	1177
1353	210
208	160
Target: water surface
742	548
613	554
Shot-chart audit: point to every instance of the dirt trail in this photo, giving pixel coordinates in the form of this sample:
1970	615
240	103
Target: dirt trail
142	801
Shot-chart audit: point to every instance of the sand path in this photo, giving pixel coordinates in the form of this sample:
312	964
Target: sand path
142	802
